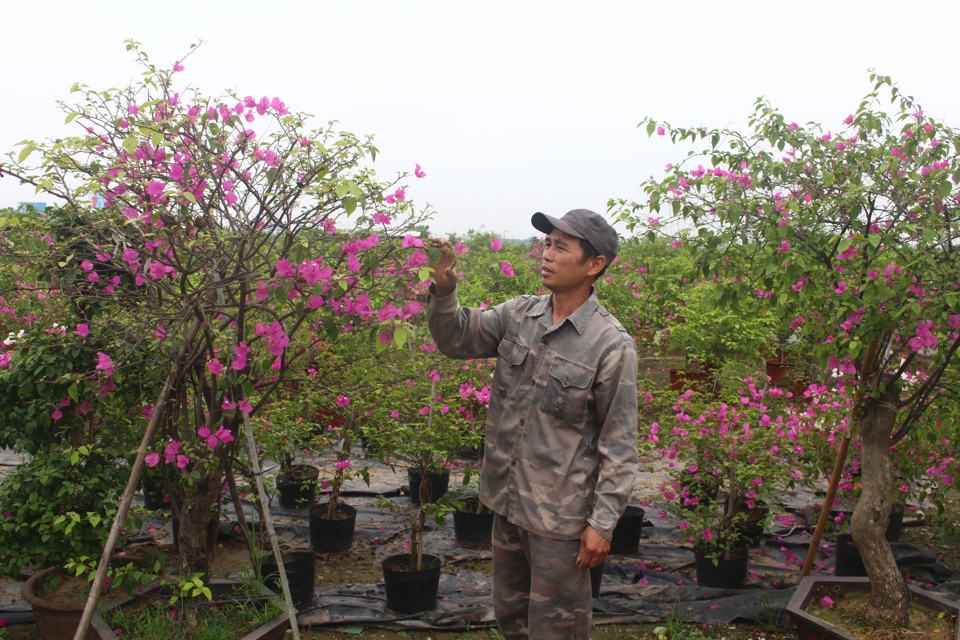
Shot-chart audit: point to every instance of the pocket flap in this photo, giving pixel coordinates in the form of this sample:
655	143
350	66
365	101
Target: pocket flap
571	374
513	352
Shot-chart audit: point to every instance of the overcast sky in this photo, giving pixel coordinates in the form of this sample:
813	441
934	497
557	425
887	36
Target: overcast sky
510	107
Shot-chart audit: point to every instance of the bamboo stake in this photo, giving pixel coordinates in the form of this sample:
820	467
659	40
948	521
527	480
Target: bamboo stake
868	361
125	502
271	532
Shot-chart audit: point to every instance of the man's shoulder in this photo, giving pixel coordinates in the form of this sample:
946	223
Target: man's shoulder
609	324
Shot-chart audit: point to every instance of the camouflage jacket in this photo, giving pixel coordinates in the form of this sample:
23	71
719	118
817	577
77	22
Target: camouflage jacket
561	433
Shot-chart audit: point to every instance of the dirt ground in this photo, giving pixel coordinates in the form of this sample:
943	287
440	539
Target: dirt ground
364	568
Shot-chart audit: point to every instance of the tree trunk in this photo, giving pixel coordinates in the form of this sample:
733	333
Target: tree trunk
195	512
889	597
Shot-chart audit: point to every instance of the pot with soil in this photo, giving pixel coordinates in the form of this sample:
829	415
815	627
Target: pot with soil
332	534
57	600
812	589
300	567
409	590
473	524
437	484
233	615
626	535
728	570
297	486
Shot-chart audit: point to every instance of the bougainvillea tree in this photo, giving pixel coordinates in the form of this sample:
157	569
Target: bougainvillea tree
852	228
234	236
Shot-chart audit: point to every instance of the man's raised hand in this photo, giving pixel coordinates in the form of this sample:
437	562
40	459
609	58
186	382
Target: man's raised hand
445	274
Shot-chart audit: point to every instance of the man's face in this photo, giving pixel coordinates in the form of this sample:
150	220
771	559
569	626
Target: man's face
562	266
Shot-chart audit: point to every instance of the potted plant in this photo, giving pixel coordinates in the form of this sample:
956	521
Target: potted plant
285	431
472	521
850	222
753	440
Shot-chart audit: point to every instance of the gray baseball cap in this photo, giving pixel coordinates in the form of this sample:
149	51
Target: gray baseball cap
586	224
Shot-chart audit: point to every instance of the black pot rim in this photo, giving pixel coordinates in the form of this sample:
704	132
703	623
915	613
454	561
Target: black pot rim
401	558
317	510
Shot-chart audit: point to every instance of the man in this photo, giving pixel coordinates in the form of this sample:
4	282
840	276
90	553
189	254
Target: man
561	433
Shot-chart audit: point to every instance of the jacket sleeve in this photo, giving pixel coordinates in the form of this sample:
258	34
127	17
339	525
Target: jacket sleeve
465	333
616	403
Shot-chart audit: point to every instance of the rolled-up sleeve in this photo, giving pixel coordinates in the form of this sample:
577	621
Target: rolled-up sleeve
616	405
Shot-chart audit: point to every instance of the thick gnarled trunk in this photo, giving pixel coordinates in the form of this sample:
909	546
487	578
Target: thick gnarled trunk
195	514
889	597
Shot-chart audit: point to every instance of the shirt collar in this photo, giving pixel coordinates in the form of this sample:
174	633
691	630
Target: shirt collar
578	318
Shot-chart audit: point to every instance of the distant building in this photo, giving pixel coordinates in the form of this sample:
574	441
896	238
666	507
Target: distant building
39	206
99	202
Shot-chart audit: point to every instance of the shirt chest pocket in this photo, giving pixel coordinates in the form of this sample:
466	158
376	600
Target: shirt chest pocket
511	355
567	392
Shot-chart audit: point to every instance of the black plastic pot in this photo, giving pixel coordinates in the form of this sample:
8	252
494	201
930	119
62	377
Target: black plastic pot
298	486
300	567
153	494
596	578
626	535
849	562
895	523
725	574
411	591
212	527
332	536
438	485
473	530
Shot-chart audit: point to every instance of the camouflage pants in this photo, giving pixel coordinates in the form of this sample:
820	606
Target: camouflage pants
538	591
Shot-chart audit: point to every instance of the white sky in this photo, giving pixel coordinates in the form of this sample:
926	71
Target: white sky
510	107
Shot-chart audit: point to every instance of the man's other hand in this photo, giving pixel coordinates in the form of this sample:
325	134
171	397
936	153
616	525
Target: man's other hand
593	549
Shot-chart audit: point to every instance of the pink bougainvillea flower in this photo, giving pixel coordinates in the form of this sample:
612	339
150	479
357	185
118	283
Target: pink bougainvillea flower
226	405
203	431
417	172
676	244
506	269
381	218
284	269
784	246
841	288
82	330
215	367
86	265
152	459
104	363
93	277
224	435
245	406
826	602
177	66
342	464
133	109
848	119
661	131
170	451
398	196
495	243
342	400
182	461
240	357
56	415
147	411
411	241
424	410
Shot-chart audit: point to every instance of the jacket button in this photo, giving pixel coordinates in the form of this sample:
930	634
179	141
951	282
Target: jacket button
513	463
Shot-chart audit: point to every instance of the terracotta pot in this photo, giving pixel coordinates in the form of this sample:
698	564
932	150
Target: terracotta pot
681	379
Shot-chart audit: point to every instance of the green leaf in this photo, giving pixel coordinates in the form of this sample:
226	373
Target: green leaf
70	117
95	518
73	393
400	335
156	139
189	197
130	144
651	127
25	153
829	178
349	205
854	348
